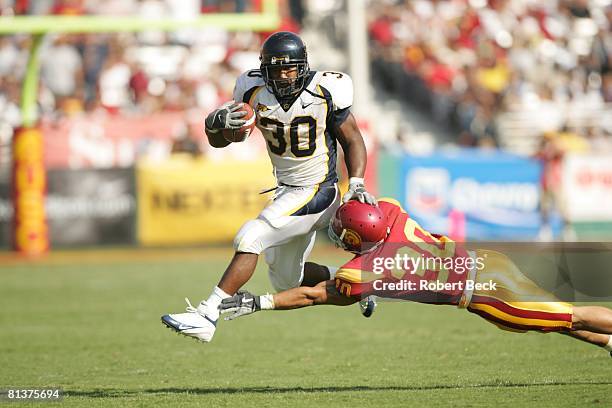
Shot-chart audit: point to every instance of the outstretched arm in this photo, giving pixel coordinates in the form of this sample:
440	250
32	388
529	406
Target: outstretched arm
243	303
324	293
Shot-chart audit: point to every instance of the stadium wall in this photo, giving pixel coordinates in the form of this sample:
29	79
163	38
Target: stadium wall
467	194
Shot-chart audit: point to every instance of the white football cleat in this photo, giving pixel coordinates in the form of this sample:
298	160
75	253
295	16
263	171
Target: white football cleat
195	323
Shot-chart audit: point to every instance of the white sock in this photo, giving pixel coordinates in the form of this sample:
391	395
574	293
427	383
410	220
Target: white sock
609	345
213	302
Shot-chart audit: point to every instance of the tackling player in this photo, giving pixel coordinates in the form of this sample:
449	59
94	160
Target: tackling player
434	270
302	114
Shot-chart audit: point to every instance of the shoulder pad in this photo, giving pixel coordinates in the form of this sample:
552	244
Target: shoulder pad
246	81
340	86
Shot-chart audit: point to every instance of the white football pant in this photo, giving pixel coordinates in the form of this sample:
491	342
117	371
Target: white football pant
285	230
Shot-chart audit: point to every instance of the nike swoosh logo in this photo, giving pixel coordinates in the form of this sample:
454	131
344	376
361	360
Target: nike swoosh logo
306	105
185	327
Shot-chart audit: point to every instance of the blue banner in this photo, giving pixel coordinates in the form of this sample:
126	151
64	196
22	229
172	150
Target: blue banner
490	194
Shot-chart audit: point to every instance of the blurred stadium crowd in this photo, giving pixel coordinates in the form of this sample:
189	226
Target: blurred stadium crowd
130	73
465	62
491	69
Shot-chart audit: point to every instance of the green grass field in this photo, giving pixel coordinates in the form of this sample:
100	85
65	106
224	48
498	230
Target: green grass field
89	323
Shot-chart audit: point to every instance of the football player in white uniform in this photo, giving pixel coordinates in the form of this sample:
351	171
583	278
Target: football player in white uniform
302	114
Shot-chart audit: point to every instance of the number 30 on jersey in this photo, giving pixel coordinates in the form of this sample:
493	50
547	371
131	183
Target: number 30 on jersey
302	135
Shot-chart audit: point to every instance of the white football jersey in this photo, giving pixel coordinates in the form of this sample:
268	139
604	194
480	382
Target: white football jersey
300	138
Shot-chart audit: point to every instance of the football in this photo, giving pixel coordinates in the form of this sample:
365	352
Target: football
240	135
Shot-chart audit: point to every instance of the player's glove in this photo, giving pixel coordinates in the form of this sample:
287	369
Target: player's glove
357	191
241	304
228	116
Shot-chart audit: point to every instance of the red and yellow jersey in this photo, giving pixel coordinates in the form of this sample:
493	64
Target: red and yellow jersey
411	264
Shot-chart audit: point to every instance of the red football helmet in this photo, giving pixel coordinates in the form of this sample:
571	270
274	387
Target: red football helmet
358	227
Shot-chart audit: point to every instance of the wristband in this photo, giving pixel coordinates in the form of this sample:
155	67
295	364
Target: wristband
356	180
266	302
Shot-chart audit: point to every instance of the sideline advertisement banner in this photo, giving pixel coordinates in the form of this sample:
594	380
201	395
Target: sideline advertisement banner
587	188
83	207
191	201
91	207
388	172
101	140
489	195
